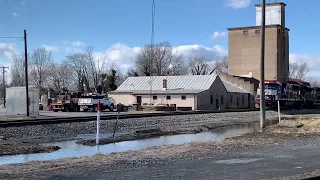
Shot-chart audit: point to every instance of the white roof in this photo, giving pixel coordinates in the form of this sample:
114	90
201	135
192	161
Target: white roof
233	88
190	82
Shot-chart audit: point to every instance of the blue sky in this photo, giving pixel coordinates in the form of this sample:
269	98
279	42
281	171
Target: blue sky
117	28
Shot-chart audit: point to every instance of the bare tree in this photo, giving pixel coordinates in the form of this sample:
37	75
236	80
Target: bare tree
199	66
62	76
314	83
94	69
78	64
222	66
160	60
17	70
88	70
40	67
298	70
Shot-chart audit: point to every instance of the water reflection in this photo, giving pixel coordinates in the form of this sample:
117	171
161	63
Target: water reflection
72	149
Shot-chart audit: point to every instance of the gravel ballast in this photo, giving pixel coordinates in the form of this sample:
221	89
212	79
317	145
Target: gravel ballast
58	132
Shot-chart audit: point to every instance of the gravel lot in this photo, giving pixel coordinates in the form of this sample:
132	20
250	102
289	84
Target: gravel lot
58	132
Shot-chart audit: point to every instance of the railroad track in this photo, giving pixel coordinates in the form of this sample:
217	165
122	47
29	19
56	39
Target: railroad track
56	120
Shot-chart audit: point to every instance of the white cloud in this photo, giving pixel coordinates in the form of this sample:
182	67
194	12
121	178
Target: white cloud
237	4
51	48
71	50
77	44
14	14
218	34
124	57
22	3
6	50
121	56
189	51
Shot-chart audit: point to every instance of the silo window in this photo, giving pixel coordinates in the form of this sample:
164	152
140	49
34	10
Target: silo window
245	32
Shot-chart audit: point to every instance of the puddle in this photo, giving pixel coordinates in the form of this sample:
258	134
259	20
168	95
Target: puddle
72	149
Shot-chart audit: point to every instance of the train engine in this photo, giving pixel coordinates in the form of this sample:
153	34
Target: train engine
273	92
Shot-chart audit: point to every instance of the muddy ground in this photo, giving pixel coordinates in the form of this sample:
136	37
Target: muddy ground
301	129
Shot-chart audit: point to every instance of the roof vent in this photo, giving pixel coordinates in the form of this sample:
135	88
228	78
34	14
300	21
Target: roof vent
164	84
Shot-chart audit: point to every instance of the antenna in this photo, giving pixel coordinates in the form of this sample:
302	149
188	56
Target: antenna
152	45
153	16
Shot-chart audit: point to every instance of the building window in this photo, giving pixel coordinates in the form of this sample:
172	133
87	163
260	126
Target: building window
231	98
155	97
257	31
221	99
211	99
237	101
183	97
245	32
168	97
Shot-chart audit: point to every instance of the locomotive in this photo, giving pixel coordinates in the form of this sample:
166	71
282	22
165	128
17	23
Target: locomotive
294	93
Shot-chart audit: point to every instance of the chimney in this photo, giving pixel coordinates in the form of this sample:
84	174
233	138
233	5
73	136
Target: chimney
164	84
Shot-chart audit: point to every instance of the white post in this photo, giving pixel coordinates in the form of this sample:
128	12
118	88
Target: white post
279	111
97	149
98	124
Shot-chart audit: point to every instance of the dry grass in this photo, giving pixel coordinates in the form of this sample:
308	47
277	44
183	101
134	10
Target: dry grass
298	125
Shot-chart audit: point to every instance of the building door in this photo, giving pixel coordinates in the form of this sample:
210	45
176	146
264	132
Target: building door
217	102
139	100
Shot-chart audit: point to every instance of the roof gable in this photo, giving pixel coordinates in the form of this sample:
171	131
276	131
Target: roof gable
190	82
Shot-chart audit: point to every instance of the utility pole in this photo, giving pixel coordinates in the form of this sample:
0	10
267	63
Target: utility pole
26	69
4	84
262	97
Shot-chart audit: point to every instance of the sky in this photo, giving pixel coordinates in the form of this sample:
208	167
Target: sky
117	29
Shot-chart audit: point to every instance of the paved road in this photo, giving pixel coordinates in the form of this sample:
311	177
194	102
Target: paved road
267	163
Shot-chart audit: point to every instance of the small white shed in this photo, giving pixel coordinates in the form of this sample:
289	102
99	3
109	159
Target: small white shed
16	101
